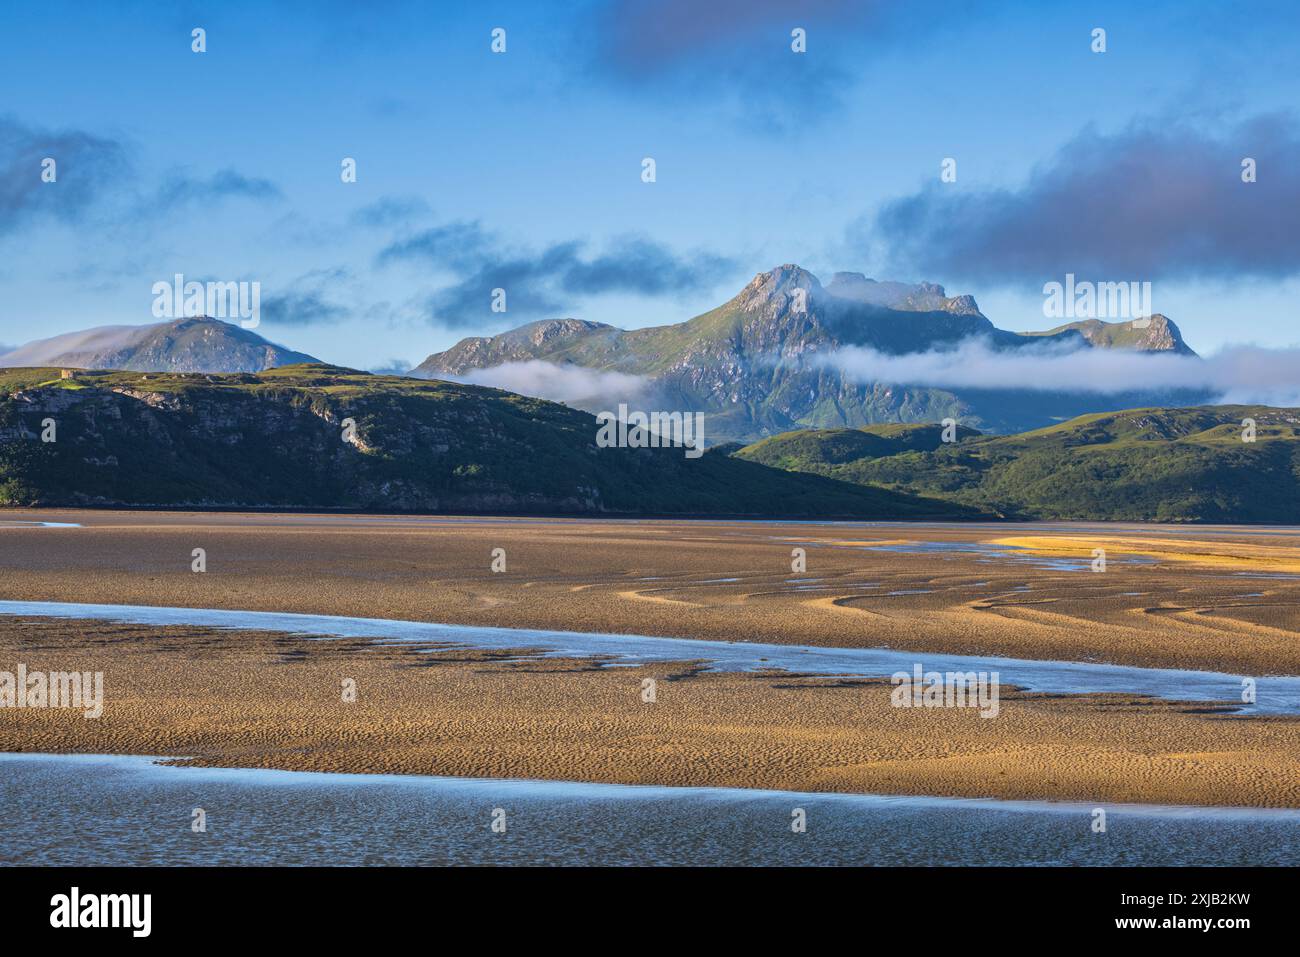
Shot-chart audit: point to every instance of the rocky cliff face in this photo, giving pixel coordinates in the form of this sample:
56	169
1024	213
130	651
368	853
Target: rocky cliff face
1159	334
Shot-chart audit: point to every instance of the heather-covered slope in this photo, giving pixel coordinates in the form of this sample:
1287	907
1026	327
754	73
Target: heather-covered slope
280	439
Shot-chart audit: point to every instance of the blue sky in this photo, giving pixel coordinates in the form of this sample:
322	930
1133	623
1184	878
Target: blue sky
473	166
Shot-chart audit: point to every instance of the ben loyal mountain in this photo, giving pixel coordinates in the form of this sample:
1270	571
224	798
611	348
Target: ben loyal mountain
764	362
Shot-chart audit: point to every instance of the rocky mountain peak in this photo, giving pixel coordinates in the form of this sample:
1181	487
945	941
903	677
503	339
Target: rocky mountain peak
777	287
548	330
904	296
780	281
1159	333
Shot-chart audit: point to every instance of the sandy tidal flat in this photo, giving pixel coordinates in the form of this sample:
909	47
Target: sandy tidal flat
256	699
943	587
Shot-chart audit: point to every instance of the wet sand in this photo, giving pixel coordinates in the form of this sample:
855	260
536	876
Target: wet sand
1219	599
257	699
1205	598
1234	555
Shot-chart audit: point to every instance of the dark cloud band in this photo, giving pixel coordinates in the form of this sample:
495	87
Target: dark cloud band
545	281
1155	201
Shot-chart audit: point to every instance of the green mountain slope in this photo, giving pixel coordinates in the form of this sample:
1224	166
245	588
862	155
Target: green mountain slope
1174	465
757	365
278	439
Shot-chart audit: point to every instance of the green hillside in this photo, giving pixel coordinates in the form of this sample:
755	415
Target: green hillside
1168	465
276	439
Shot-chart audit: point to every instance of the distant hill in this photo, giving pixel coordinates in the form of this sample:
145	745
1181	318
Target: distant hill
278	439
1165	465
800	451
181	345
756	365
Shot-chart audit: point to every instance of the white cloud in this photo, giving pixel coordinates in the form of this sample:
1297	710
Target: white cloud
570	384
1246	374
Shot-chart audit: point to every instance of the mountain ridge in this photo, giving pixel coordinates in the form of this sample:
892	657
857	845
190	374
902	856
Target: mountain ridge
756	365
1153	333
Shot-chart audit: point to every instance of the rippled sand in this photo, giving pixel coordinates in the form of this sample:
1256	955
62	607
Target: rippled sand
1160	603
255	699
250	699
